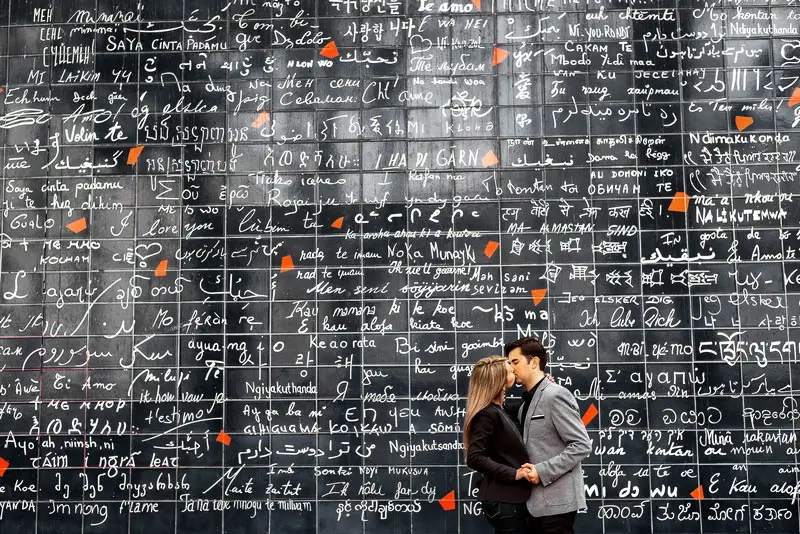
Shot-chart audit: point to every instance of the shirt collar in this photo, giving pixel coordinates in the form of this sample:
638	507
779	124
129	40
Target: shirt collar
529	394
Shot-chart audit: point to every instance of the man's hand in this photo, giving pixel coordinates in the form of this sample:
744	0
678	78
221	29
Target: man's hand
533	476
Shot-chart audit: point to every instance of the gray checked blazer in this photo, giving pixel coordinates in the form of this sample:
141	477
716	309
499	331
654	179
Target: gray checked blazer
557	442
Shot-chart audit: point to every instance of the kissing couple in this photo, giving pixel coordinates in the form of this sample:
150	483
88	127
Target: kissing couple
529	452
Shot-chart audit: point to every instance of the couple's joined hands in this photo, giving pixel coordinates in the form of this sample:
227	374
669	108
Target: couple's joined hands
528	472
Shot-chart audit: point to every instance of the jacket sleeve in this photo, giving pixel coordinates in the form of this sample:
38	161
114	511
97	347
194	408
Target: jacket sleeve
570	428
483	426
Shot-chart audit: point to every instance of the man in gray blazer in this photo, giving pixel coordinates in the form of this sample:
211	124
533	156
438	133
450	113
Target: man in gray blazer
556	439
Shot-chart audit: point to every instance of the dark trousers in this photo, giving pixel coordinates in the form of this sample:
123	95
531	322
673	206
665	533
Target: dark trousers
554	524
507	518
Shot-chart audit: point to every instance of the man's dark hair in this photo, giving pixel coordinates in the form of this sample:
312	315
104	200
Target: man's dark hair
529	347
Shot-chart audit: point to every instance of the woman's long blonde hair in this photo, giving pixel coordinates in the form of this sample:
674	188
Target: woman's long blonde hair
486	383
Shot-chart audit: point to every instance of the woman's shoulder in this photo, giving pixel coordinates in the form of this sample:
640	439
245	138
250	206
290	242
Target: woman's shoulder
490	413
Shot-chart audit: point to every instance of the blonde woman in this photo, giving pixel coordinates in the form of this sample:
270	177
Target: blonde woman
495	448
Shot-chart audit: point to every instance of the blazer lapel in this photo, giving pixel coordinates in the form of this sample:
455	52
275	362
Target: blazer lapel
532	408
538	396
525	423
